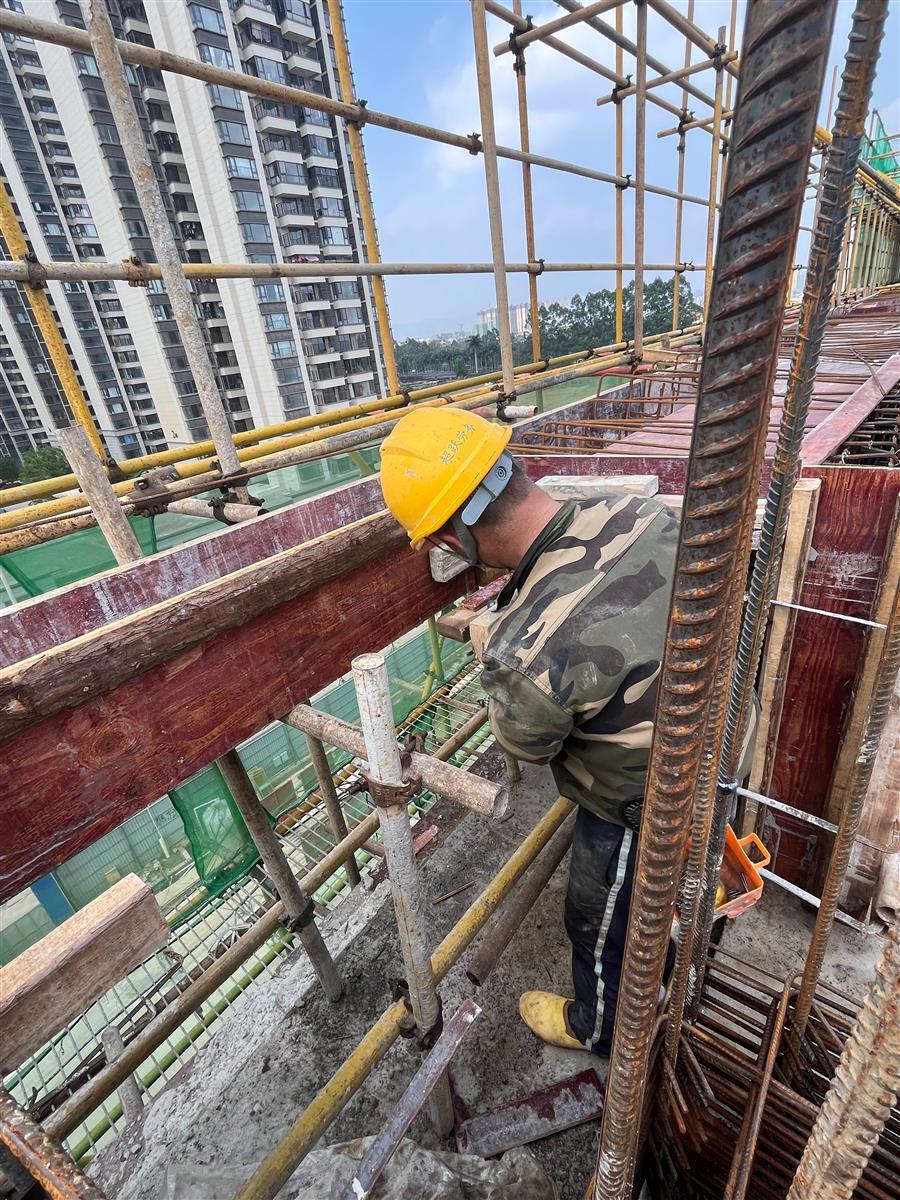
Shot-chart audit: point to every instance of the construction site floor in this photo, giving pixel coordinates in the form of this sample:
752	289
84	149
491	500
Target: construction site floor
271	1054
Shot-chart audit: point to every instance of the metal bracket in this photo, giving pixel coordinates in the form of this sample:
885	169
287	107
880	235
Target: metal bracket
37	275
615	95
518	51
136	271
303	918
538	268
407	1026
362	117
624	186
475	146
392	795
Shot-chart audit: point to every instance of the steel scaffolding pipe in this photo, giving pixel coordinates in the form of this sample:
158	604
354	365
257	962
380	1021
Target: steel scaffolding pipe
520	24
840	169
786	51
540	32
134	149
471	791
161	60
392	797
862	1092
281	1162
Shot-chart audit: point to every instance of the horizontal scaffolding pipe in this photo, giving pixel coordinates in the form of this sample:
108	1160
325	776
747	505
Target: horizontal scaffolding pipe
131	271
670	77
539	32
281	1162
348	436
472	791
361	114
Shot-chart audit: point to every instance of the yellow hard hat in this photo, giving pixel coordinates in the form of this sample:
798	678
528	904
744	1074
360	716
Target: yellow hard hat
431	463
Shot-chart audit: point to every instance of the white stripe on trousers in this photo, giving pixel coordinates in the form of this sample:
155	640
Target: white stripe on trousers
621	868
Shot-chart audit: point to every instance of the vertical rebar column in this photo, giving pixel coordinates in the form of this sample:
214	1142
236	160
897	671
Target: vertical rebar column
862	1092
385	773
527	197
786	48
42	1158
838	171
857	239
46	323
620	192
492	186
640	153
857	786
331	801
363	189
714	157
679	187
134	148
298	907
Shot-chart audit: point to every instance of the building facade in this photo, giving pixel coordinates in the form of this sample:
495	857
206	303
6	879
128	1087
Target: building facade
486	320
243	179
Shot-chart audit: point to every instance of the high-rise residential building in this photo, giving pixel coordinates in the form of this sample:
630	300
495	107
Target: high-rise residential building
486	320
244	179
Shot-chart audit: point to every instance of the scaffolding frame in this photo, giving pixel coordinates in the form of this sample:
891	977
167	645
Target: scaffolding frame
266	447
389	780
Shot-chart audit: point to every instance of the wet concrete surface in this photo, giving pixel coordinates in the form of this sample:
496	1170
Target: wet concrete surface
269	1057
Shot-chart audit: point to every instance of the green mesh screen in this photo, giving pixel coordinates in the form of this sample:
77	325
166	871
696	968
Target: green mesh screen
220	842
878	150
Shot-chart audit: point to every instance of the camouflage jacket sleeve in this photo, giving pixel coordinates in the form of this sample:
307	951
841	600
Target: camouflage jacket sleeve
526	722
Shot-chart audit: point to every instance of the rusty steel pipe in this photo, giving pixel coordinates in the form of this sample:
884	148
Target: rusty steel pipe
42	1158
785	51
837	191
861	1094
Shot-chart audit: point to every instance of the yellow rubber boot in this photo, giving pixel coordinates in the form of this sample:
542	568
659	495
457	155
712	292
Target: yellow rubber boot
545	1015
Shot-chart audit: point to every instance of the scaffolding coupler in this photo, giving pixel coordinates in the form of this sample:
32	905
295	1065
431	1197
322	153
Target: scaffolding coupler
407	1026
517	51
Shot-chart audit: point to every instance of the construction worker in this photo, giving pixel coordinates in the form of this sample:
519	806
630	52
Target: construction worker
571	663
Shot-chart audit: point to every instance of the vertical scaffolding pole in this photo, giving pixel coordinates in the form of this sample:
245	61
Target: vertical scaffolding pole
332	802
363	189
839	170
134	149
864	1087
857	239
46	323
527	198
385	774
93	481
679	204
298	907
492	185
620	192
786	52
640	149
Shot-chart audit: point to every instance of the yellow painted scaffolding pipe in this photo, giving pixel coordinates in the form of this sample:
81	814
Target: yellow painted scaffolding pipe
280	1163
47	324
361	174
527	196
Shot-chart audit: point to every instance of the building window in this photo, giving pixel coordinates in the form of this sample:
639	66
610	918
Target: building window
282	349
87	64
324	177
269	292
136	229
224	97
335	235
330	206
286	172
233	131
215	55
207	18
276	321
249	201
347	289
255	232
240	168
322	146
267	68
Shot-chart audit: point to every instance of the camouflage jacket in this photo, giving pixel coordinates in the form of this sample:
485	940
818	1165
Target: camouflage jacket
573	652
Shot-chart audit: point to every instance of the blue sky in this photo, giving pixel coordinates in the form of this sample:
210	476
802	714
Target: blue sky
413	58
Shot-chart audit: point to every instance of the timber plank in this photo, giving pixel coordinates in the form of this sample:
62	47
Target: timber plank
831	433
54	981
74	776
856	506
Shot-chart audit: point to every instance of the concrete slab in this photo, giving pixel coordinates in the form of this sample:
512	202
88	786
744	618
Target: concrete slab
270	1056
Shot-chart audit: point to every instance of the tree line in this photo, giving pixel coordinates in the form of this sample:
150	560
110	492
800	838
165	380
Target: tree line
584	322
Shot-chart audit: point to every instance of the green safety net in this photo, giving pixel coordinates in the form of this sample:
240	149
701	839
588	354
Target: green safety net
878	150
220	842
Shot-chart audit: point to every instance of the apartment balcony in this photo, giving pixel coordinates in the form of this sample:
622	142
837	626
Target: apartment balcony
154	92
307	63
298	242
299	218
159	125
294	27
358	375
271	123
255	10
284	187
171	158
324	384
